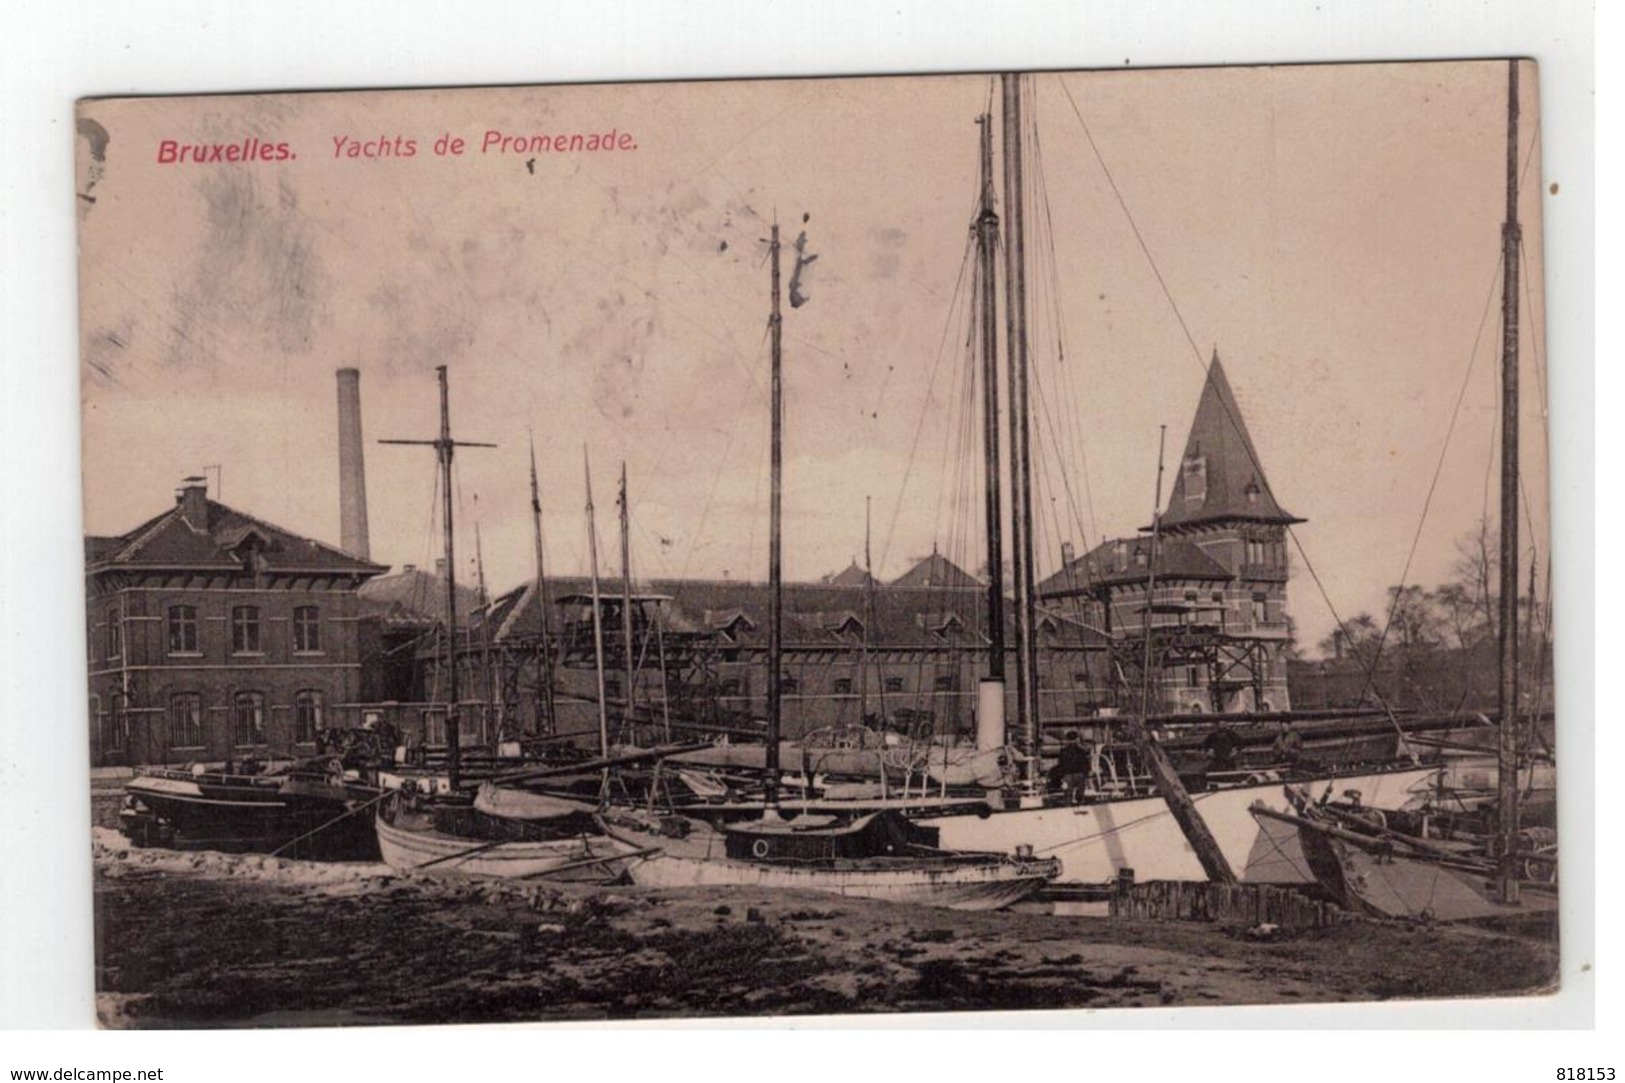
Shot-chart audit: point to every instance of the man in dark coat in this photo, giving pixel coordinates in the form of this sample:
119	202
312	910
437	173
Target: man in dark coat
1072	767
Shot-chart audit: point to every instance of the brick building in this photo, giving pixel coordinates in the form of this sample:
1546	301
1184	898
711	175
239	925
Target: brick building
214	634
1218	615
906	652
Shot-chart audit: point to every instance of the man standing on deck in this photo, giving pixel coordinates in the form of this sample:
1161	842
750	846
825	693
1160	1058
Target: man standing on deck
1222	745
1072	768
1288	747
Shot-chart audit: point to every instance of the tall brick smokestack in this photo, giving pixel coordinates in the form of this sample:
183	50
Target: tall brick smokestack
352	468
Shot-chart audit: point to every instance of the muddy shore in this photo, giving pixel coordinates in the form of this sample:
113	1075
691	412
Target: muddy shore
202	940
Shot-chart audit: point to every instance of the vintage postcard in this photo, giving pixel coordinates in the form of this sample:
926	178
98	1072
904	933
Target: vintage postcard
824	546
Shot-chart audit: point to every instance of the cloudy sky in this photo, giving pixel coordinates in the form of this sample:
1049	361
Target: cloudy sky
1333	231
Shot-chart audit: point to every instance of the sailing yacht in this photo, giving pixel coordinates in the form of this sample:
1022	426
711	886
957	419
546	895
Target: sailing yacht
1147	823
874	854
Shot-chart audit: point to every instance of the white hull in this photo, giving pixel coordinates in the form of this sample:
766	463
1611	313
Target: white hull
987	885
407	850
1094	841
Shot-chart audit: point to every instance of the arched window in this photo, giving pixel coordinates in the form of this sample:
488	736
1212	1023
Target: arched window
248	718
308	709
185	720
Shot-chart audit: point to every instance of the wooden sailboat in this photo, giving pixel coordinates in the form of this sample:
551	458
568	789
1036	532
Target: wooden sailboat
1372	868
491	833
877	855
307	809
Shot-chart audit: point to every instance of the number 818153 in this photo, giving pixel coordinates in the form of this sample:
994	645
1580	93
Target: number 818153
1585	1075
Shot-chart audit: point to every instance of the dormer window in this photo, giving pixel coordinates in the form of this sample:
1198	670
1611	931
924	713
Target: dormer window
1195	475
1252	492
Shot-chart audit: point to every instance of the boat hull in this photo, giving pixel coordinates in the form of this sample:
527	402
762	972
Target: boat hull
297	817
1386	884
408	848
1095	841
982	885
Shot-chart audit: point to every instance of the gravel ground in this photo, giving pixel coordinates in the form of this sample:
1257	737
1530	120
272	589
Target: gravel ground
204	939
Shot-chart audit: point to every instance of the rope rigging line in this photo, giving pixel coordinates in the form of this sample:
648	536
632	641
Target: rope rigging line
925	407
1196	353
1433	485
1067	440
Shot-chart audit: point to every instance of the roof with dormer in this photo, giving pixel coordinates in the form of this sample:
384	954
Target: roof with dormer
815	614
1128	560
216	538
1220	477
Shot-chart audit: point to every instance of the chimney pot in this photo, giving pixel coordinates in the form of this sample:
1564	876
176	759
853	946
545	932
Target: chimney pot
193	498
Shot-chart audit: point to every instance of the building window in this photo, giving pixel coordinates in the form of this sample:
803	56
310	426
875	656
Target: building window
245	630
307	716
843	686
307	630
947	682
894	684
789	685
1190	677
115	728
732	686
182	629
248	718
434	726
1260	608
612	688
115	635
185	720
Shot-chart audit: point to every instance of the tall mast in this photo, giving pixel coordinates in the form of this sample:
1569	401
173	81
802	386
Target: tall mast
544	701
1507	693
990	690
630	665
1015	287
1151	582
775	633
1164	777
485	642
868	620
444	447
597	614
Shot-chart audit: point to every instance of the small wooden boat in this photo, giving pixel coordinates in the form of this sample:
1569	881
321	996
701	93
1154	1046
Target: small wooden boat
312	809
456	835
878	856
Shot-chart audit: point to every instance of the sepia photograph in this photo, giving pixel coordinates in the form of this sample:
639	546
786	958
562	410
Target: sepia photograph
825	546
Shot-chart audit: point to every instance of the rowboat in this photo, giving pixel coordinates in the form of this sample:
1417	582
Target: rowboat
416	834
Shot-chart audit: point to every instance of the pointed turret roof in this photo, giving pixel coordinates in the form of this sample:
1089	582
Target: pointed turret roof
1220	476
